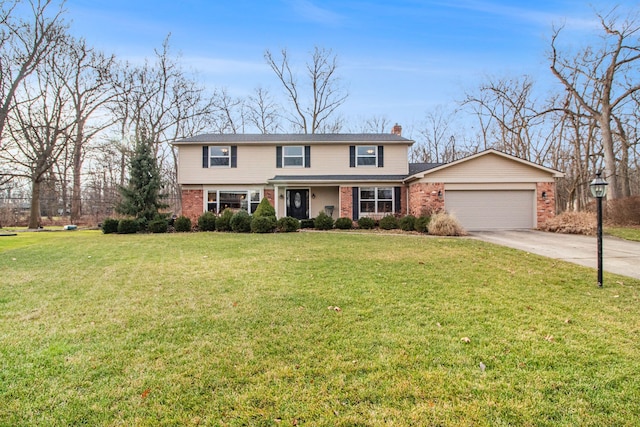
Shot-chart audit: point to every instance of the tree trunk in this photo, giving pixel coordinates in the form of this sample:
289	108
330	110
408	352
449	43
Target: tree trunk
34	215
76	192
610	174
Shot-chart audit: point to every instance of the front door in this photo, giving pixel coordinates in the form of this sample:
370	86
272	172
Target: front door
298	204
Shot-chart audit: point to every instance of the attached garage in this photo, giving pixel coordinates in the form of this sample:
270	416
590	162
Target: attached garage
487	190
492	209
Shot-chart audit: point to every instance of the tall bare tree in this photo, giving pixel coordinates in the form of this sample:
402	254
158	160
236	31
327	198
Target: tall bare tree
611	72
91	89
262	111
39	128
316	100
24	44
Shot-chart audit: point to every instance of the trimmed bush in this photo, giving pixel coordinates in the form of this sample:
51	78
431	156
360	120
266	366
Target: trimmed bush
389	222
323	222
127	226
366	223
182	224
264	209
263	224
288	224
223	222
422	224
344	223
110	225
207	222
307	223
443	224
241	222
158	225
407	223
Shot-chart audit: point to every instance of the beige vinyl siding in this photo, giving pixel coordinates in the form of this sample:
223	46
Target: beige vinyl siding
489	168
257	164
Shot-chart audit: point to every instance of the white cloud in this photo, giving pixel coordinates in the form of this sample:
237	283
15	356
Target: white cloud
309	11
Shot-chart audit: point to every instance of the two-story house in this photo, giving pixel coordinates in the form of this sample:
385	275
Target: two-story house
356	175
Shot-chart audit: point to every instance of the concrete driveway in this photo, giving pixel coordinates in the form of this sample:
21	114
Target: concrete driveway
619	256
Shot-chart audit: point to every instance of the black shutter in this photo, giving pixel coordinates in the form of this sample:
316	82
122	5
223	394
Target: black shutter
279	156
380	156
352	156
234	156
205	156
307	156
398	201
355	203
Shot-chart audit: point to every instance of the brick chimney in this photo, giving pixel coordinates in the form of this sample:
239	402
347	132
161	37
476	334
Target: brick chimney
397	130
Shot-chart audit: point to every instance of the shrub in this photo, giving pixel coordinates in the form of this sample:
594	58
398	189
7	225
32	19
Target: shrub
182	224
572	223
263	224
110	225
366	223
344	223
223	222
207	222
443	224
407	223
389	222
241	222
323	222
127	226
623	212
307	223
158	225
422	224
264	209
288	224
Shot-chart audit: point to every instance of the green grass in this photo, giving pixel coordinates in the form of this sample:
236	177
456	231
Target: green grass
627	233
234	330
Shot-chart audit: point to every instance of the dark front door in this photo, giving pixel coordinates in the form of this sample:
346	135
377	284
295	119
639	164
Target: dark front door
298	203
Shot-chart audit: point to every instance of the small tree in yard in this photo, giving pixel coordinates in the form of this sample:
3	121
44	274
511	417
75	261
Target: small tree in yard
264	218
141	198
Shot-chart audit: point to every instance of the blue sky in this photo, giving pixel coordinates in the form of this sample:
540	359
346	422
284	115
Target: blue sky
398	58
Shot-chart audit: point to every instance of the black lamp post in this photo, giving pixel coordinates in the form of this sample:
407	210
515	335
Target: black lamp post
598	190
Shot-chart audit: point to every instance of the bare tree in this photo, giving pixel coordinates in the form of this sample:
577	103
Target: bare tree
91	88
158	102
24	44
314	104
611	72
262	111
39	128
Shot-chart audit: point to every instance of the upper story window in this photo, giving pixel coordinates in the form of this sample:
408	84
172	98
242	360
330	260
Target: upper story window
219	156
366	156
293	156
214	156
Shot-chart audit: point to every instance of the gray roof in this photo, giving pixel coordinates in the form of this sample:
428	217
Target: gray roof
422	167
332	178
291	138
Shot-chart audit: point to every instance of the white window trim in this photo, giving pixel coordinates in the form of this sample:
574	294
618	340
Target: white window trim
374	155
285	156
375	200
228	156
231	190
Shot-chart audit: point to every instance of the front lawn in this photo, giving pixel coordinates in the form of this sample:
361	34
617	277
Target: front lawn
627	233
317	329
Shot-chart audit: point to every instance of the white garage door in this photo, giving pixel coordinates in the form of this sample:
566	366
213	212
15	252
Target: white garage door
485	209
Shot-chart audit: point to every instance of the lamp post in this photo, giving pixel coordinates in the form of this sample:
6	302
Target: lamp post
598	190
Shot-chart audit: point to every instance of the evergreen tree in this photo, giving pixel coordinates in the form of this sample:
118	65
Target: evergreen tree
141	198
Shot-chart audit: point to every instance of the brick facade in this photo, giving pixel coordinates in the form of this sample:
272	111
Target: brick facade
424	199
346	202
270	195
192	202
545	202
